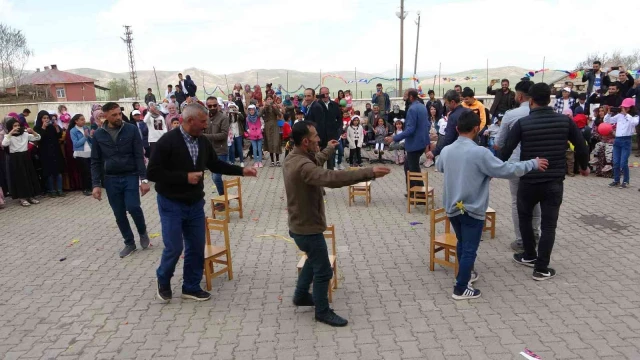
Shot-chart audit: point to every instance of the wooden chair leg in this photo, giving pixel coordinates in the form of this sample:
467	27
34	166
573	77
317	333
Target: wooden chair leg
432	257
207	274
335	274
408	202
330	293
229	266
226	210
493	226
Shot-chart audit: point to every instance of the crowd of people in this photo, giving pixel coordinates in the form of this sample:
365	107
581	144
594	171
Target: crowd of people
522	136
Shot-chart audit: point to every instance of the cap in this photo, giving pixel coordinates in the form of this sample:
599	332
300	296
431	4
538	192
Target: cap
135	112
628	102
567	89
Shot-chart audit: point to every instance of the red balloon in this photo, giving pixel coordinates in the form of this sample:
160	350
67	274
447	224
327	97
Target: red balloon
573	76
605	129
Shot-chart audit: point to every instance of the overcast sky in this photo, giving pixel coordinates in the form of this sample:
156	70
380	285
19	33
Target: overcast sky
234	36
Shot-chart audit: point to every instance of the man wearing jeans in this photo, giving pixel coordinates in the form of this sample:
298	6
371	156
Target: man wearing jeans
509	119
304	178
415	135
177	167
543	133
117	157
468	169
217	132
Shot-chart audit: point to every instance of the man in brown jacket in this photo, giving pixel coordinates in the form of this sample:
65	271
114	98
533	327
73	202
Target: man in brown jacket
304	178
217	132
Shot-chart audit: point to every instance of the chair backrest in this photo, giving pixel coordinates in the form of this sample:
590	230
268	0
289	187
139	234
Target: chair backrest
436	216
417	176
330	233
230	184
220	225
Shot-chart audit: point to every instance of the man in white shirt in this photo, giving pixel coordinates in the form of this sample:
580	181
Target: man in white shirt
169	92
594	77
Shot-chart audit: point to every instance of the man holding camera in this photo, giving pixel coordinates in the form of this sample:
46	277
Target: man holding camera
326	116
382	100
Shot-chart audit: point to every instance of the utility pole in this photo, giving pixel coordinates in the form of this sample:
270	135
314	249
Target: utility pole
415	64
401	15
132	65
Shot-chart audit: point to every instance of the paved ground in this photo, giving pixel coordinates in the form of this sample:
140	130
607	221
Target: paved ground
95	306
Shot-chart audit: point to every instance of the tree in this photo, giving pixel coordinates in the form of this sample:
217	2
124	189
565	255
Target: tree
630	62
119	89
14	54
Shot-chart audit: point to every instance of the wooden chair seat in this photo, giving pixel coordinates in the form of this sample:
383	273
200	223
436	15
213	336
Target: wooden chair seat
362	184
333	260
220	255
419	194
227	198
447	239
360	189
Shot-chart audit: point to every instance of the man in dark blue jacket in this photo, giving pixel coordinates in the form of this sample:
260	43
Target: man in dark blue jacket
452	102
116	157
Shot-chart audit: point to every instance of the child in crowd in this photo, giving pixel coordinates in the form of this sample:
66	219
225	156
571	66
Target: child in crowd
286	133
398	148
175	123
442	126
254	134
82	142
381	132
236	131
299	116
355	137
468	169
492	132
24	185
625	121
349	99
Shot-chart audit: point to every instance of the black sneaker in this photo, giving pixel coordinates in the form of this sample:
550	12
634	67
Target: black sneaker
614	184
163	292
468	293
199	295
306	300
541	275
520	259
128	250
144	240
624	185
332	319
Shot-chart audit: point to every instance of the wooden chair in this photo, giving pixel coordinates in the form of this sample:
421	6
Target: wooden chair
490	222
413	191
360	189
446	241
227	198
213	254
330	233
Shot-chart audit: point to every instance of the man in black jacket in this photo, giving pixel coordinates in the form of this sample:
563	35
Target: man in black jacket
504	99
328	119
613	99
453	102
177	166
543	134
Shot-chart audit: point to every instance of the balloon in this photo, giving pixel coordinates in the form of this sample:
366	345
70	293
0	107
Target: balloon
573	76
343	103
605	129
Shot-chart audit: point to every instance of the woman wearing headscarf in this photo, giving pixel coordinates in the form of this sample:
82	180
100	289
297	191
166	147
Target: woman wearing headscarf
237	128
156	124
172	114
24	179
73	176
96	107
135	105
50	154
4	158
270	91
270	114
257	96
248	95
23	122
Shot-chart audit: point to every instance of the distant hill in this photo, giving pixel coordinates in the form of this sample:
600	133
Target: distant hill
146	79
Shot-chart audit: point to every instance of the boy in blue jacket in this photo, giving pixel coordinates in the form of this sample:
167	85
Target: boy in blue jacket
467	169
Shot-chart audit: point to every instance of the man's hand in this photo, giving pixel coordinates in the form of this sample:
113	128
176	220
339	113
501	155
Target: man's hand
429	155
493	82
380	171
333	143
542	164
97	193
252	172
585	172
144	189
194	177
388	140
636	83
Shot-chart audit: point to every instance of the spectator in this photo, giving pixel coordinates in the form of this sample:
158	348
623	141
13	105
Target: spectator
581	106
272	140
625	122
469	101
122	168
504	100
23	183
22	118
328	120
509	119
625	80
382	100
612	99
190	87
217	132
181	97
635	92
396	114
169	92
458	89
436	103
156	124
181	82
565	103
143	129
415	134
595	77
172	113
543	133
572	94
367	110
237	128
81	141
355	136
50	153
149	97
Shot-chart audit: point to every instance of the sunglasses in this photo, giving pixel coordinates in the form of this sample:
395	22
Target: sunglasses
212	106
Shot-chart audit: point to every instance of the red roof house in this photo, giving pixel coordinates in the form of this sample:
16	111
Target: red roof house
63	86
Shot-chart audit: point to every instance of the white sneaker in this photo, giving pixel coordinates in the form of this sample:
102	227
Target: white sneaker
340	167
241	164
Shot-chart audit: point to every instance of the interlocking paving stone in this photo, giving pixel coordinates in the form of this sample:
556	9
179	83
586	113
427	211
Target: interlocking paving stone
94	305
